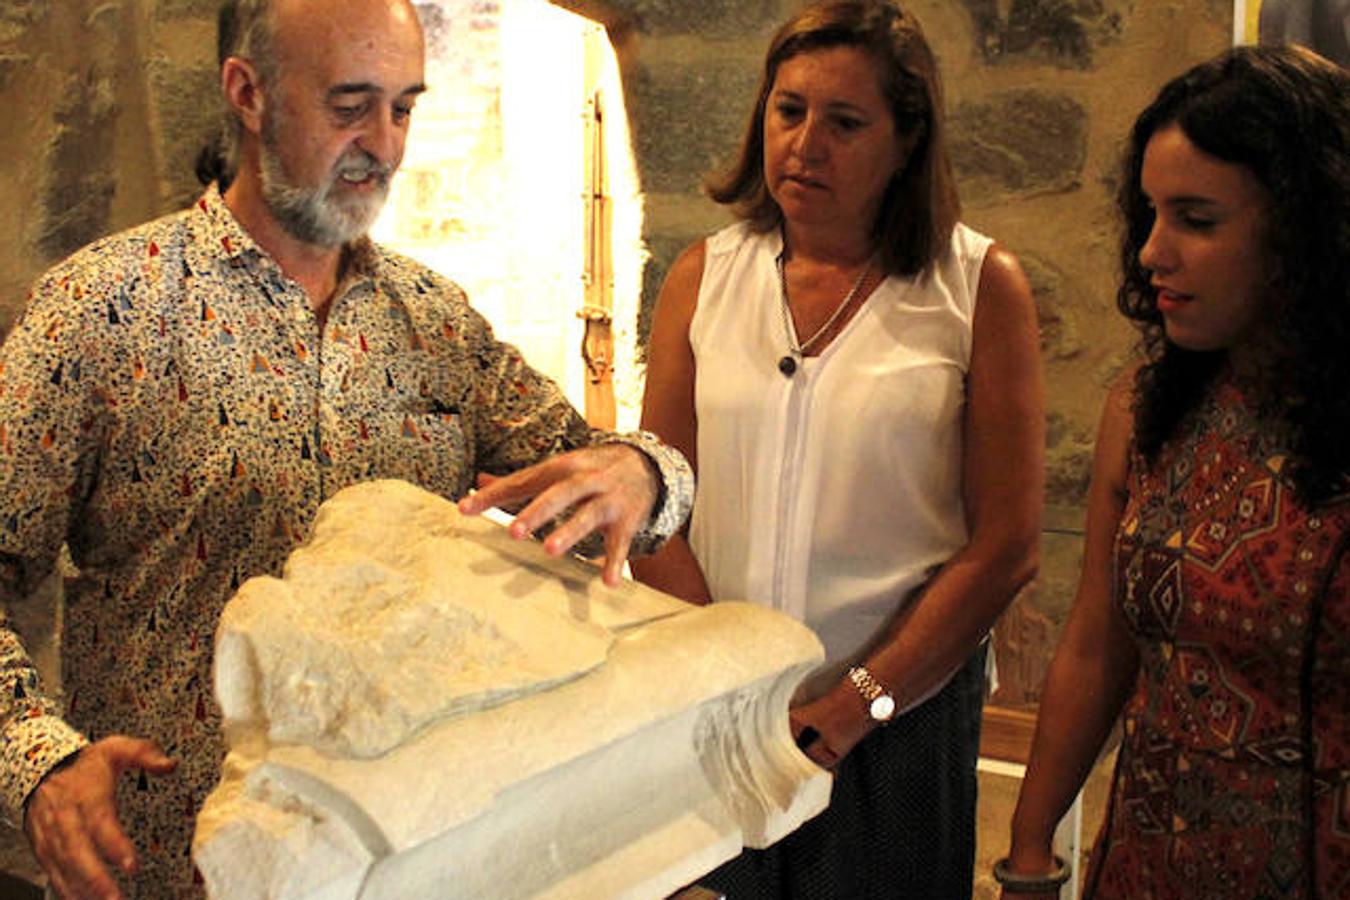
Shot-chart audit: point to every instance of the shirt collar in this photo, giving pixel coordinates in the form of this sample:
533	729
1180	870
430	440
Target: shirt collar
224	234
362	260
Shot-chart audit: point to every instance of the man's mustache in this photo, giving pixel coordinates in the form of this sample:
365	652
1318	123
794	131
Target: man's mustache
357	165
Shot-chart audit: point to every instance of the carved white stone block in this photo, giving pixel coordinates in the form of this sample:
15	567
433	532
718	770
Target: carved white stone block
423	707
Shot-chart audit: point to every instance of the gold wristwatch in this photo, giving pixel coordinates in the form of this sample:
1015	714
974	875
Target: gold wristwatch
878	701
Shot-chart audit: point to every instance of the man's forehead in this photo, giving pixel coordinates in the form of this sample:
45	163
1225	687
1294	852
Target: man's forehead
378	42
358	12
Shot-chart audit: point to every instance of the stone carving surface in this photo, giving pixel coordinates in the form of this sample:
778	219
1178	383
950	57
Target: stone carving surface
423	707
368	639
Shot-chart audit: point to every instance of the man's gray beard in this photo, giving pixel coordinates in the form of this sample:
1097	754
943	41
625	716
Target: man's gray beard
314	215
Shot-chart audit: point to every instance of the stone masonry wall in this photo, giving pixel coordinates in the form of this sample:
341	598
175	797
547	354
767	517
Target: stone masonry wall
106	102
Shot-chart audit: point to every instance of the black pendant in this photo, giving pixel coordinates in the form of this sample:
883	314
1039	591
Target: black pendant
788	366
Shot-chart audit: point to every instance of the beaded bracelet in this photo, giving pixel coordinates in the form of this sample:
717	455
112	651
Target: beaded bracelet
1031	884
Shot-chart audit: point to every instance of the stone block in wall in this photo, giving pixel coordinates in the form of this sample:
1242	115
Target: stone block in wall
189	111
80	182
424	707
1054	308
11	63
708	18
664	250
186	9
1068	460
18	17
687	119
1060	32
1018	142
1026	634
104	18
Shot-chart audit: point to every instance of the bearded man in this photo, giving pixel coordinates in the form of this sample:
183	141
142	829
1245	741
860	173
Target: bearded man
179	399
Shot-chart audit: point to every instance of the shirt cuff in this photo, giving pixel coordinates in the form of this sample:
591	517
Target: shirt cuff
675	490
32	748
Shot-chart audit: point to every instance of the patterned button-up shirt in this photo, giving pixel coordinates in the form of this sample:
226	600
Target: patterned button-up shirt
171	411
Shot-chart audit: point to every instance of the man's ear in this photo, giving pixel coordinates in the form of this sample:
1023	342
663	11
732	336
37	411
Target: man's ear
243	92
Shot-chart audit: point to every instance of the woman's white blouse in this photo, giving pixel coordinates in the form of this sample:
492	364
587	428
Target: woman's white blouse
833	494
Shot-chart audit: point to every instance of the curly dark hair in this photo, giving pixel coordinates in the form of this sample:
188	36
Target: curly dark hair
921	206
1283	113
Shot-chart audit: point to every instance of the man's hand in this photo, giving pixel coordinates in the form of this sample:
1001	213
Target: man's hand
611	488
71	819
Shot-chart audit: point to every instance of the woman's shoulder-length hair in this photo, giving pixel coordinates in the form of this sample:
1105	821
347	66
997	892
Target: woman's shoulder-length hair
920	207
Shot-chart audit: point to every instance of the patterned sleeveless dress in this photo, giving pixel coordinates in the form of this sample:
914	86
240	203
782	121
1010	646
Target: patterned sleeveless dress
1233	779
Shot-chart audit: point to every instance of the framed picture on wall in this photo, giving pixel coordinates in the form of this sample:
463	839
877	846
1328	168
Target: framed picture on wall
1321	25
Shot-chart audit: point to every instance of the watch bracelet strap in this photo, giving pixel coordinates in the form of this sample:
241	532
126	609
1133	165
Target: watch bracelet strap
866	683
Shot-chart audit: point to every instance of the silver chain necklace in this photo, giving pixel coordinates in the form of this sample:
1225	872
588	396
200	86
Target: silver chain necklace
788	364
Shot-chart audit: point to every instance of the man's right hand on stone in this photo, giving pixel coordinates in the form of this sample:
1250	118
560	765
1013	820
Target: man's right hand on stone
71	817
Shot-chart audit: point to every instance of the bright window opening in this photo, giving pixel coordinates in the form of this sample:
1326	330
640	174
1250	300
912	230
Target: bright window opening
519	184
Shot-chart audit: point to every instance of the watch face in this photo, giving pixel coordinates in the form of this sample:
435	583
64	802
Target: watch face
883	707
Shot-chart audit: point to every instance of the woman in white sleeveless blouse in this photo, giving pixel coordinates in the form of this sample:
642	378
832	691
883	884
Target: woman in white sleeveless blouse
855	376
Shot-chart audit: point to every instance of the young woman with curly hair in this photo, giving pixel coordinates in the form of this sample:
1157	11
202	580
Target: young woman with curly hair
1214	605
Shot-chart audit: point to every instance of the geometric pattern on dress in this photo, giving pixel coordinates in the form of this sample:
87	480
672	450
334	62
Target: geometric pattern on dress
1150	584
1216	566
1179	473
1283	750
1216	705
1149	805
1162	574
1337	864
1252	512
1144	817
1194	860
1340	803
1285	870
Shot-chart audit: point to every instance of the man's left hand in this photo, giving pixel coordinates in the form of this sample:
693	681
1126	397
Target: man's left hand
610	488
